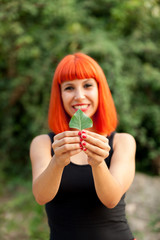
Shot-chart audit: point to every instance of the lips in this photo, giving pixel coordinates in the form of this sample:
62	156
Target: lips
82	107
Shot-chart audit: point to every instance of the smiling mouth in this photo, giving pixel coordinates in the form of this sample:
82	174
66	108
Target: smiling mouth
81	107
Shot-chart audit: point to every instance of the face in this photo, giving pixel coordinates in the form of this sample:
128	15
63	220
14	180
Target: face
80	94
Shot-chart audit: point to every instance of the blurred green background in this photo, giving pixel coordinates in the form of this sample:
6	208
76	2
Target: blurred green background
122	35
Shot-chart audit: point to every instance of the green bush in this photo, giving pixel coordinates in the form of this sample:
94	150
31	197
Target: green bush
123	36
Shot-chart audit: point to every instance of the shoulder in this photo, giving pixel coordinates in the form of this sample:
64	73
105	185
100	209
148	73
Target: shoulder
124	137
40	154
40	148
40	143
124	140
40	139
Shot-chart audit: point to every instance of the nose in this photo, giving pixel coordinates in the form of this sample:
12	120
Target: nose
79	94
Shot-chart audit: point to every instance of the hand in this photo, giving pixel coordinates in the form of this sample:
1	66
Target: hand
65	145
95	146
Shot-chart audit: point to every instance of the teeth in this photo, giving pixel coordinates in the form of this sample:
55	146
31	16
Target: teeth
81	107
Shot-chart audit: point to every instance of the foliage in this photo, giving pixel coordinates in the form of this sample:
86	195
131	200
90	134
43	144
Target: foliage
123	36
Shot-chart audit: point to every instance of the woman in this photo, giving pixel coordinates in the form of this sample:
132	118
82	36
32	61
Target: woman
82	176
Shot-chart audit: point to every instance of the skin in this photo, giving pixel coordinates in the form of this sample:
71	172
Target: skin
110	184
80	93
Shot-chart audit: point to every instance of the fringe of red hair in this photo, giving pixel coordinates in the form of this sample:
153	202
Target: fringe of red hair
81	66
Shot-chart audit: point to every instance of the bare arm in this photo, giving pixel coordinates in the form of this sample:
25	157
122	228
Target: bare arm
47	170
111	184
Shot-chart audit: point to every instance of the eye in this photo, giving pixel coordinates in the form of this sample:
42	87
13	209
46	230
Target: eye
68	88
87	85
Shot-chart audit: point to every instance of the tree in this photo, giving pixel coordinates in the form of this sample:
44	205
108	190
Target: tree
123	36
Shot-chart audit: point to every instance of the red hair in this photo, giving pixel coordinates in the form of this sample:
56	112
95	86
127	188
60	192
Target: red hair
81	66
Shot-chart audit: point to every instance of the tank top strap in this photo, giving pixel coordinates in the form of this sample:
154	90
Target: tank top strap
51	135
110	138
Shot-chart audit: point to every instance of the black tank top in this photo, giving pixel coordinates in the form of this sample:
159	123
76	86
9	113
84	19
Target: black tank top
76	213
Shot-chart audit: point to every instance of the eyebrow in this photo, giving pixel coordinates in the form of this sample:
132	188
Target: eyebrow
71	82
66	83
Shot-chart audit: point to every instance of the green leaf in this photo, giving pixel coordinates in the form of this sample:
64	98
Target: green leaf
80	121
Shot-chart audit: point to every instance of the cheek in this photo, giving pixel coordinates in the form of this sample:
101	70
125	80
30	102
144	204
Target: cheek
65	96
96	98
62	98
66	99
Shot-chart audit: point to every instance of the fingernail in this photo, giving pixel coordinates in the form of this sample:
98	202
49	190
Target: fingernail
79	133
81	139
83	131
84	149
81	146
84	144
84	136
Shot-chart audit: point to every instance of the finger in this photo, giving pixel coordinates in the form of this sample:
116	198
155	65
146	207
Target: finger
66	148
91	149
65	134
65	140
71	153
97	142
74	152
94	135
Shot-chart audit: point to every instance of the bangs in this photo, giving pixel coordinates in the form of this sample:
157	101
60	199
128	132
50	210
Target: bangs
74	67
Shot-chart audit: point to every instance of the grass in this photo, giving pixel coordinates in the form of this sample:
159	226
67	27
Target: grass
155	222
20	216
